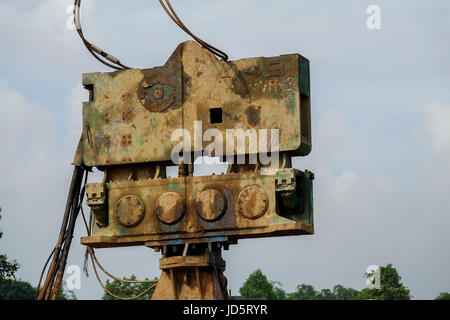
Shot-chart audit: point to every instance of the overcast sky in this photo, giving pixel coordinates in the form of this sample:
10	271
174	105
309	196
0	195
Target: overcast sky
381	130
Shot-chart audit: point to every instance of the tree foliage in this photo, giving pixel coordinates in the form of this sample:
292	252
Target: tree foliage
304	292
7	268
126	290
342	293
16	289
12	289
257	286
64	293
307	292
443	296
391	286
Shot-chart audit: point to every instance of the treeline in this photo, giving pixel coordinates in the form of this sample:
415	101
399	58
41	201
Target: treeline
257	286
391	288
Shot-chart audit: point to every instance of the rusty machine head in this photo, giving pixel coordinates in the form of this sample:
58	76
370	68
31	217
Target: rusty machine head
138	120
252	113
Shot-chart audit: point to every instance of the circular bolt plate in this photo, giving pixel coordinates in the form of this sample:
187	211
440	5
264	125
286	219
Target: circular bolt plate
158	93
252	202
130	211
170	208
211	205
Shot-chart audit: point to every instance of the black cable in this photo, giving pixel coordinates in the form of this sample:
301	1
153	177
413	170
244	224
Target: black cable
93	49
83	190
43	271
175	18
68	241
72	197
112	62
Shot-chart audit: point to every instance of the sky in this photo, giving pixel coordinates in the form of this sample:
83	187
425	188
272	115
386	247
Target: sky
380	125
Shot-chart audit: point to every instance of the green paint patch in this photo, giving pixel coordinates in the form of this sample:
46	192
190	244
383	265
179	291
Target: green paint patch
176	187
279	219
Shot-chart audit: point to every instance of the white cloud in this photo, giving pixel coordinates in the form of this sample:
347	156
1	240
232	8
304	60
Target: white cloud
332	138
74	105
332	143
437	126
32	169
40	36
338	188
26	128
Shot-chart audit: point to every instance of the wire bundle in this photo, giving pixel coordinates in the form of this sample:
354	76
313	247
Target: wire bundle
97	52
52	285
172	14
53	281
113	62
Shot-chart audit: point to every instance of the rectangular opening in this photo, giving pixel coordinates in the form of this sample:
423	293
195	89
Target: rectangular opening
215	115
207	166
90	88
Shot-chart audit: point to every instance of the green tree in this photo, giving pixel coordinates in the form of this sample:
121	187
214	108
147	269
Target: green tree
257	286
12	289
443	296
303	292
278	293
64	293
326	294
127	290
391	287
7	268
307	292
342	293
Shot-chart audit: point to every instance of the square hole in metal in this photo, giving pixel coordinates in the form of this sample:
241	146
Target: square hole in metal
215	115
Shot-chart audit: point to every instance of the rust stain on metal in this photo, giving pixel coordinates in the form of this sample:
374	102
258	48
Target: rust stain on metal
149	104
211	205
170	207
252	202
130	211
128	124
253	114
